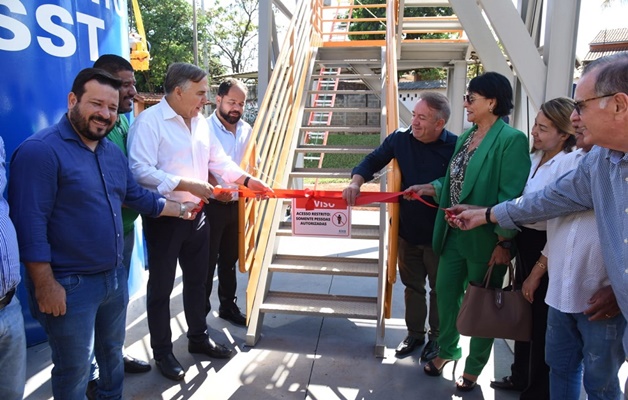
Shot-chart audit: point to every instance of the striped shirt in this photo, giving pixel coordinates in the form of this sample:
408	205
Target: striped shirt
10	266
600	182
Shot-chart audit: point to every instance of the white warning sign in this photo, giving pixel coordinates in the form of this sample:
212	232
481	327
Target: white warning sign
329	217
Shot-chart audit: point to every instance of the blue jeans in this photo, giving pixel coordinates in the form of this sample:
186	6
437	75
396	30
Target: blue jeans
574	343
12	351
129	242
94	324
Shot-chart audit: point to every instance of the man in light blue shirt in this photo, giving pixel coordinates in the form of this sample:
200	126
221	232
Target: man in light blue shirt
600	182
12	336
234	134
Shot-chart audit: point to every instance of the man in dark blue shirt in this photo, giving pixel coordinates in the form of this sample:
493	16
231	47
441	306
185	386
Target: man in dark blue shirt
66	190
423	153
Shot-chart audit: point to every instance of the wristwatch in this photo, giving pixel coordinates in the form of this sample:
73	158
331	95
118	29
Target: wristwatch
505	244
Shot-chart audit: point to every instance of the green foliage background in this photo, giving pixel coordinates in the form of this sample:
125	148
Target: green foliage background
170	33
422	74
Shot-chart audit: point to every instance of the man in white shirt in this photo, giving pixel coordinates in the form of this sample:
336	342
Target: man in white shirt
234	134
170	152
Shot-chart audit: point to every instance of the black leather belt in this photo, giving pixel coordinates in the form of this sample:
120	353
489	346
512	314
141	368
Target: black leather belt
222	203
4	301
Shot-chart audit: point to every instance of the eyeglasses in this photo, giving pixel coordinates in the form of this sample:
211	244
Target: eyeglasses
468	99
579	104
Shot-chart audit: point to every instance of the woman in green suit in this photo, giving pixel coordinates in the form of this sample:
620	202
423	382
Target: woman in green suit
490	165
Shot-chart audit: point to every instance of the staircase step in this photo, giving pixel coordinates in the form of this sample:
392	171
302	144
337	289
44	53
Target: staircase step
327	305
357	231
367	267
357	92
329	149
341	109
320	173
350	129
347	76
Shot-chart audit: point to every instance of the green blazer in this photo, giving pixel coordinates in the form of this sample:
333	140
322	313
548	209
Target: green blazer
497	172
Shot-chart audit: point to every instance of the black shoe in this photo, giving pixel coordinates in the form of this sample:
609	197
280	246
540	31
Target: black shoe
465	385
233	315
430	351
135	366
170	367
92	390
431	370
507	384
408	345
210	348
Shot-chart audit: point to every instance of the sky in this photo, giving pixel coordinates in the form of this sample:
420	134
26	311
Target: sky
593	19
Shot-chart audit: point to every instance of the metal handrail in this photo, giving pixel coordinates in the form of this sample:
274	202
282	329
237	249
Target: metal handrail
273	135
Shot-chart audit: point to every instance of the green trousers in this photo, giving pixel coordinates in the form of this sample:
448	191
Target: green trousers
454	272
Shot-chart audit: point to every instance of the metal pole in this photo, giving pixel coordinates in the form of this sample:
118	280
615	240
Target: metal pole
195	32
205	59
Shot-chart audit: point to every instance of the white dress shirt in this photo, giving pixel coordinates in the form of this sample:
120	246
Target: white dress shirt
539	177
575	264
162	150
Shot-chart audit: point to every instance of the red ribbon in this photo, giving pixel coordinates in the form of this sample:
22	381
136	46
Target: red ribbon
311	195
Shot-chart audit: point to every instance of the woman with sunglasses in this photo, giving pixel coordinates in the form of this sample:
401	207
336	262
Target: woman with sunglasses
490	165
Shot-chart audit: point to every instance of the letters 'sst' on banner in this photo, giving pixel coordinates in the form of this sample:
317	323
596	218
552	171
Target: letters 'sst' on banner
43	45
330	217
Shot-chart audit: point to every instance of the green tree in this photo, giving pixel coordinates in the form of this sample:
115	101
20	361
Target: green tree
169	31
381	13
420	74
233	31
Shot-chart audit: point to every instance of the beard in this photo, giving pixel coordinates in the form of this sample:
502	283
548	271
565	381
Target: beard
81	124
232	117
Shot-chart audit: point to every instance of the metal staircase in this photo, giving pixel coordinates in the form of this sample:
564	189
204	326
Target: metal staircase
360	257
293	123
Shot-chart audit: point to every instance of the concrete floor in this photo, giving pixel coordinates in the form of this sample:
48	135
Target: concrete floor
296	358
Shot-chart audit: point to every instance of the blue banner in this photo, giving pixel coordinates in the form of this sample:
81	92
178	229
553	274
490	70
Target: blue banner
43	45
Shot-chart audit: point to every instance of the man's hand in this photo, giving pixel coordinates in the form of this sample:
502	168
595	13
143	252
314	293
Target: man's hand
425	189
222	195
190	210
51	298
603	305
470	218
350	193
259	186
198	188
50	295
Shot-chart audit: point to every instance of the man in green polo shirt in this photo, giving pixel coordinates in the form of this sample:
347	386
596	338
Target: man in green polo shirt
122	69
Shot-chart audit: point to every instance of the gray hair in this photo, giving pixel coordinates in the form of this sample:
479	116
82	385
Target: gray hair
437	102
181	74
612	74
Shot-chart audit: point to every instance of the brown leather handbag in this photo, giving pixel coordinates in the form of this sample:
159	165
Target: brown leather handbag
494	312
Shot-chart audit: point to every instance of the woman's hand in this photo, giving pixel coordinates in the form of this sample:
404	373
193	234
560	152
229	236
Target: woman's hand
500	256
529	286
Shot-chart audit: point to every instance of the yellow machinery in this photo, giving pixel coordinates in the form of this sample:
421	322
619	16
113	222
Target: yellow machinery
139	49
